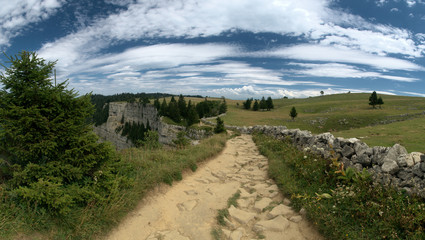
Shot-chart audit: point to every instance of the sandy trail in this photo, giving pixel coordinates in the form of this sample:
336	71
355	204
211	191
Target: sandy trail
188	209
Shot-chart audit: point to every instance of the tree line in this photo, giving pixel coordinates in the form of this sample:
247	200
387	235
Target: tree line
188	114
262	104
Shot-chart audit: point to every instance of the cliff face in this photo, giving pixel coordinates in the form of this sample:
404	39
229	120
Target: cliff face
122	112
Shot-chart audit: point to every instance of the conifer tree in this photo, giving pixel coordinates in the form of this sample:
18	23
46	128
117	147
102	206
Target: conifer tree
373	99
157	104
192	117
219	128
263	104
269	103
293	113
256	106
182	106
380	102
163	111
223	107
52	157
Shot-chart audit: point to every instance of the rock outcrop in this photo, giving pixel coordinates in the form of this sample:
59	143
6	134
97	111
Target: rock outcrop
122	112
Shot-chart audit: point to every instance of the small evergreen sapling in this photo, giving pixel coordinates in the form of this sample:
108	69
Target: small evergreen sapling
293	113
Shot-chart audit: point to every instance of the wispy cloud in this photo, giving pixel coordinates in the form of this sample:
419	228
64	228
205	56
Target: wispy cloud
309	52
16	15
336	70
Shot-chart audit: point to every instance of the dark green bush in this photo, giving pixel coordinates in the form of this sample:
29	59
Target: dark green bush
52	159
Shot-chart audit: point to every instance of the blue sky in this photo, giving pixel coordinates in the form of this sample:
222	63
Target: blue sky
231	48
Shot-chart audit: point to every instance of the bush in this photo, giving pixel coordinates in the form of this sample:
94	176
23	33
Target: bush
219	128
52	159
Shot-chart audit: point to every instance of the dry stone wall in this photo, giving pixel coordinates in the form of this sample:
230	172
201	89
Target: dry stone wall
390	166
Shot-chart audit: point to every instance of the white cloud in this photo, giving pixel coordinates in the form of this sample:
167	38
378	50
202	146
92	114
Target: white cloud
336	70
411	3
16	15
308	52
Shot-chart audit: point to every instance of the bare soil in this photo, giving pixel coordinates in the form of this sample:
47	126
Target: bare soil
188	209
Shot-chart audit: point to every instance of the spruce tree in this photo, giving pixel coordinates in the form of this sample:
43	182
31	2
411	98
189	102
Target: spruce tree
269	103
163	111
380	102
256	106
192	117
52	158
219	128
373	99
293	113
263	104
182	106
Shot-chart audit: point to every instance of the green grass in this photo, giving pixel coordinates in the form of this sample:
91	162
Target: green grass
146	168
409	133
338	114
354	209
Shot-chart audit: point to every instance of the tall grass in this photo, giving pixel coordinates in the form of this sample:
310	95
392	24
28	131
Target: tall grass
145	169
342	207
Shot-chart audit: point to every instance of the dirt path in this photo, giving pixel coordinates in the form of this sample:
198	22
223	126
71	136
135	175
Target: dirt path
188	209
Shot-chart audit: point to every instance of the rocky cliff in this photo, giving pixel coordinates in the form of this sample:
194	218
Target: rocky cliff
122	112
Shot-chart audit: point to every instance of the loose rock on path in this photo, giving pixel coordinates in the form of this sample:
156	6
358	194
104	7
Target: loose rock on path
188	209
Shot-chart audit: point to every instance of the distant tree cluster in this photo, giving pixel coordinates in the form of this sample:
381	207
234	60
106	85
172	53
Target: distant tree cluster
179	111
375	100
262	104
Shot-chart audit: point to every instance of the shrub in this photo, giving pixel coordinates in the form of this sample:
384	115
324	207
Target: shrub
219	128
52	159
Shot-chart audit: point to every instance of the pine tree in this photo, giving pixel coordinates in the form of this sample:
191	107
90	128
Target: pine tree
256	105
157	104
223	107
182	106
247	103
293	113
373	99
192	116
263	104
219	128
269	103
163	111
173	111
51	153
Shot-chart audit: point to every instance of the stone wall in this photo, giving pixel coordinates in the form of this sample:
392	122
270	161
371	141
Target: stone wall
139	113
390	166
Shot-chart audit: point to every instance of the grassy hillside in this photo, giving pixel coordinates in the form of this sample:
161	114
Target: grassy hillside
346	115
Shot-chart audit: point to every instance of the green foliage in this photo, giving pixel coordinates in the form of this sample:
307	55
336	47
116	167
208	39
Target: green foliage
247	103
263	103
150	140
332	199
223	107
136	132
192	115
182	141
182	107
145	167
101	103
256	106
52	158
173	111
293	113
374	100
219	128
269	104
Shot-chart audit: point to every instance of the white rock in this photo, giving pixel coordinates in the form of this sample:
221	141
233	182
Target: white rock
263	203
237	234
281	210
278	224
241	216
296	219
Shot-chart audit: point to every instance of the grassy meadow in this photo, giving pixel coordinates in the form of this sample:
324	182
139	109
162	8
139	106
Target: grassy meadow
344	115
